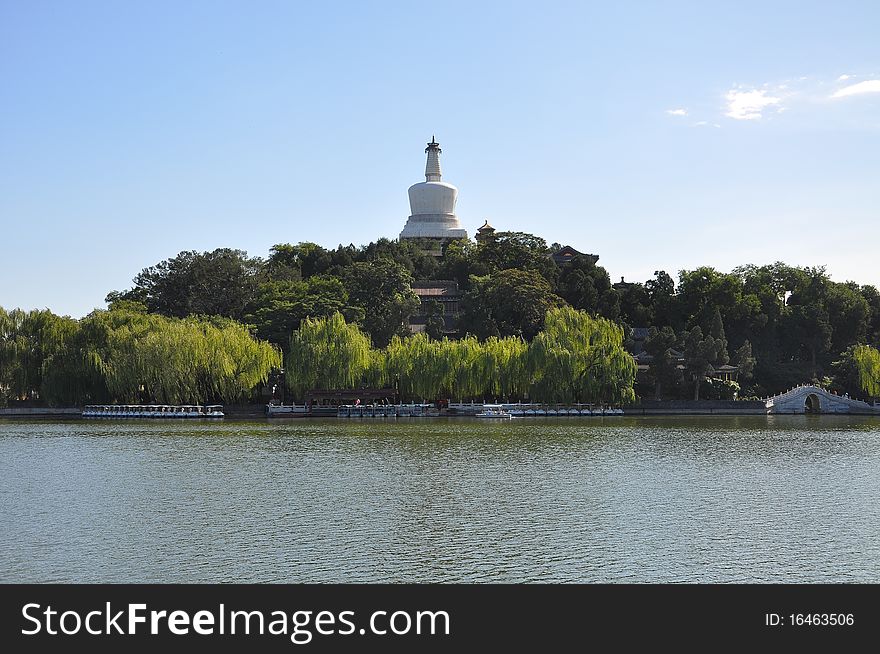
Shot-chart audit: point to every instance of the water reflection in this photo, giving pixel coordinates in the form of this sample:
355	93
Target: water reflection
707	499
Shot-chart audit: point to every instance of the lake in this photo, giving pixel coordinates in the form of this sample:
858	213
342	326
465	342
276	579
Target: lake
669	499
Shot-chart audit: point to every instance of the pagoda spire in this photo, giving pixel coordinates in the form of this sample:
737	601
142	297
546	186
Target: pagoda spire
432	168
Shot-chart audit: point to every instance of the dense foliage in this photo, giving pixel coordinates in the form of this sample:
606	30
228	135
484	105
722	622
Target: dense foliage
777	325
577	358
128	356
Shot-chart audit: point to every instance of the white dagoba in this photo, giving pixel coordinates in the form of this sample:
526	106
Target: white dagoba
432	203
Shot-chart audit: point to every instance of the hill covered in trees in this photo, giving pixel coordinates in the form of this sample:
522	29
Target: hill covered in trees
779	325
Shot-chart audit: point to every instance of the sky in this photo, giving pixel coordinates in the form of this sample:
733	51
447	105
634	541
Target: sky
658	135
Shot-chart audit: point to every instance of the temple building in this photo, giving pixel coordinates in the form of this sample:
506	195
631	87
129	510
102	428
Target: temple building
447	295
567	253
432	204
485	233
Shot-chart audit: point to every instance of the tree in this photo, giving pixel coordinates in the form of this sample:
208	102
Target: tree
661	292
219	283
717	332
858	370
413	254
150	358
300	261
382	289
459	263
516	250
327	353
872	297
745	361
131	356
507	303
279	307
435	326
635	305
702	291
663	370
464	260
586	286
699	355
848	315
578	358
809	327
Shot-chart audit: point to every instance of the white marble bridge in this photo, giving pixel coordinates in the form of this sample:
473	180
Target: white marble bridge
812	399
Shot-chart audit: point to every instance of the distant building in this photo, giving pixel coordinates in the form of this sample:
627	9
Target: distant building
432	204
565	254
623	285
636	346
485	232
447	294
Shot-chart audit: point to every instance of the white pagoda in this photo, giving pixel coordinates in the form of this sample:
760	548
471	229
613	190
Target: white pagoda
432	204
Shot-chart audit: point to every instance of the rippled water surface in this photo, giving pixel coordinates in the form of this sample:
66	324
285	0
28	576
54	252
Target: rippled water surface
737	499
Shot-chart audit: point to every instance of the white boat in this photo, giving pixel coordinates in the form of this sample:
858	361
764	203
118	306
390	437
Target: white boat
286	410
494	411
152	411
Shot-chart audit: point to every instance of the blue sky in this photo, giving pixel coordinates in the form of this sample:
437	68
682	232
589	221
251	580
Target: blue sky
656	135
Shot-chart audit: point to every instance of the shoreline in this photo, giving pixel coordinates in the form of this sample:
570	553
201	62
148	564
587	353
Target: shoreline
75	414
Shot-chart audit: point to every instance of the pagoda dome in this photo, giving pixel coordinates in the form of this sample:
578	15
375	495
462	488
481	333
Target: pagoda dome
432	203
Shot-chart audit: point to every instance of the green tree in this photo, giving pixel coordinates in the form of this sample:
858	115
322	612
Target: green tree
858	371
219	283
578	358
279	307
699	354
635	305
519	251
150	358
435	326
663	370
413	254
848	315
28	340
703	291
327	353
586	286
872	297
744	359
716	331
661	293
507	303
131	356
300	261
382	289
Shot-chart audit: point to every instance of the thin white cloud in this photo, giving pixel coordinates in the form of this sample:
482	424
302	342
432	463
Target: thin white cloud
677	112
868	86
749	105
843	78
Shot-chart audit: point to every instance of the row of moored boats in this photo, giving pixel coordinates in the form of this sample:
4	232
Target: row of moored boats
531	411
387	411
153	411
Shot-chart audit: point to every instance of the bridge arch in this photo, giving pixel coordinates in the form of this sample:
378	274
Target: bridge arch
812	399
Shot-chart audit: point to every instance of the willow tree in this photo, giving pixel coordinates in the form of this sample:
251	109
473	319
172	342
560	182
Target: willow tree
867	361
500	367
14	343
146	357
579	358
462	355
421	368
191	359
29	340
71	373
327	353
